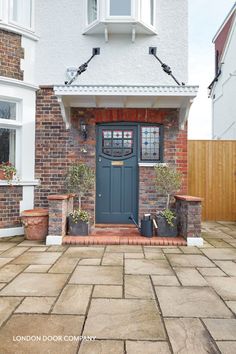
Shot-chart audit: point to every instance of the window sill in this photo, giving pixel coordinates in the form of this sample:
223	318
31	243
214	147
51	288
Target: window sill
19	30
151	164
19	183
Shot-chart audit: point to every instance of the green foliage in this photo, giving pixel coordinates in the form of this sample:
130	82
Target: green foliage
9	170
168	181
79	180
78	215
169	216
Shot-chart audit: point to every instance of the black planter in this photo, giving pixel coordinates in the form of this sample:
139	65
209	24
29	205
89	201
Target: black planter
81	228
164	229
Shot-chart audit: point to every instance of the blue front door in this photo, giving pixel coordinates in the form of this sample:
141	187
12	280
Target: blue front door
116	174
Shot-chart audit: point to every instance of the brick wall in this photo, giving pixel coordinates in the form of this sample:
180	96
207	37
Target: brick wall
11	54
10	197
57	148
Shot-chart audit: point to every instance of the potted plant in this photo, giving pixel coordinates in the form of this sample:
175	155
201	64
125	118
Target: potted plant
7	171
79	180
78	223
168	182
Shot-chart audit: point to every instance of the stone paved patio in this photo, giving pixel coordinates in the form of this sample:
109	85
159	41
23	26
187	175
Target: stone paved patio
133	299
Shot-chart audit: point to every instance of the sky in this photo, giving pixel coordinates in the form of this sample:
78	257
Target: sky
205	18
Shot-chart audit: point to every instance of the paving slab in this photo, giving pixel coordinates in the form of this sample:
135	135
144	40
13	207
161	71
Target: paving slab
218	243
64	265
170	250
108	291
43	326
191	302
73	300
229	267
6	245
10	271
7	306
85	252
38	249
189	260
97	275
147	266
14	252
227	347
138	286
165	280
90	261
134	255
31	243
188	335
220	253
38	258
211	272
190	277
190	250
154	255
36	305
4	261
124	319
141	347
232	305
35	284
37	268
124	249
224	286
221	329
113	259
102	347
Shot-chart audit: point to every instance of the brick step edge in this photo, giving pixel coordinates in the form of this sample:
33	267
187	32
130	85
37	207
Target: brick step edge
116	240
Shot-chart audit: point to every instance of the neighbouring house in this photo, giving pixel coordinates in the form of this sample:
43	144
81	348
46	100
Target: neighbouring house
121	116
223	87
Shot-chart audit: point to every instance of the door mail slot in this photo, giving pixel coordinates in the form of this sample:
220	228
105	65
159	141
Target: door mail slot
117	163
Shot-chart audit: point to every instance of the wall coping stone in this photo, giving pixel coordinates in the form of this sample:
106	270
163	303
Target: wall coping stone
60	196
188	198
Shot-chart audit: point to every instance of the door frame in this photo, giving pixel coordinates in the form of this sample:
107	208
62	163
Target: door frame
112	124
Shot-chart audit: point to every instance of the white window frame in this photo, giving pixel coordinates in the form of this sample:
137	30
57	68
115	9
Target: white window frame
154	17
98	11
17	24
120	18
16	125
1	10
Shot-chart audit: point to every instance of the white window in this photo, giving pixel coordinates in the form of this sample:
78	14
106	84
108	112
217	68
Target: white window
120	8
21	12
92	11
9	131
147	11
1	10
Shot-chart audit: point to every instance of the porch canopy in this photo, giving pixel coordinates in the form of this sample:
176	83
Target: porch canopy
126	96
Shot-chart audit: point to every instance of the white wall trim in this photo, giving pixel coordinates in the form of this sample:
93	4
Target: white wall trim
9	232
19	183
14	82
53	240
195	241
151	164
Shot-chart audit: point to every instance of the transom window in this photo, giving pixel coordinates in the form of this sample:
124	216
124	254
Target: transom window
117	143
7	110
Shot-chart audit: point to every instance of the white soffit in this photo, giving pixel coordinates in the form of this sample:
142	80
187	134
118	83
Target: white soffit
122	96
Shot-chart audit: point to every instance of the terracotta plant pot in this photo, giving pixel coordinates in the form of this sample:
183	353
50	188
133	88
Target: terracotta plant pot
35	222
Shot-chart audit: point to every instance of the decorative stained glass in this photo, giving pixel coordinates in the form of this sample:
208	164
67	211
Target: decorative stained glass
117	143
150	144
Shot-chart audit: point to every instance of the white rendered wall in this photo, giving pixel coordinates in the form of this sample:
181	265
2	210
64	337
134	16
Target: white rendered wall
224	95
60	25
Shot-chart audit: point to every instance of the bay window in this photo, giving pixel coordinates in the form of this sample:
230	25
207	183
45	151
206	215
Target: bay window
9	131
120	8
92	11
21	12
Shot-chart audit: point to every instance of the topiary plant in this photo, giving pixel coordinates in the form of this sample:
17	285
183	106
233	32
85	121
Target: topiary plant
168	182
79	180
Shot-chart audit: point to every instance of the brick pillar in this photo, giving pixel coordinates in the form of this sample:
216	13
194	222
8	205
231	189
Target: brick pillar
189	210
59	208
